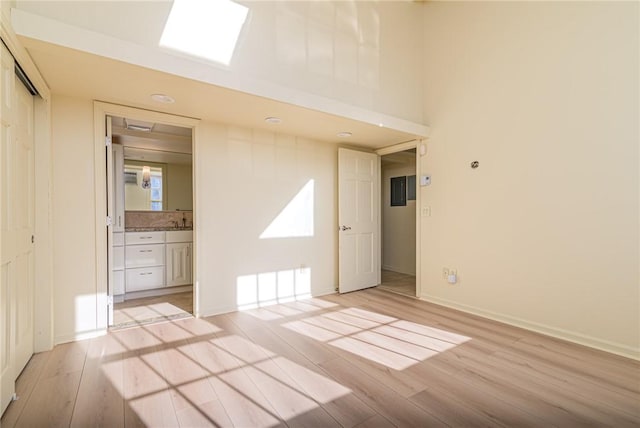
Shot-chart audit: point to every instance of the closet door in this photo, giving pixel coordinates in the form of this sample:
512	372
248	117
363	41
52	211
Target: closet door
17	177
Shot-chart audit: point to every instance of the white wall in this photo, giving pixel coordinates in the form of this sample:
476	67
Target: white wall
398	223
544	233
244	179
363	53
73	219
361	57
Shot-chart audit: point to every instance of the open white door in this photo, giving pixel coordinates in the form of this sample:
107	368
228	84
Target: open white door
358	220
110	221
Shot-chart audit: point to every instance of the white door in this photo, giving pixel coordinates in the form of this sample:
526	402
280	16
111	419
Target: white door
17	190
358	220
111	221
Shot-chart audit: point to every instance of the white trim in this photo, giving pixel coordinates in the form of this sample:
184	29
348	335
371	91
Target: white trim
581	339
401	147
43	271
209	312
100	111
44	292
81	336
21	56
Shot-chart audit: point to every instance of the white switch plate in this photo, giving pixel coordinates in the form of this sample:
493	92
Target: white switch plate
426	211
425	180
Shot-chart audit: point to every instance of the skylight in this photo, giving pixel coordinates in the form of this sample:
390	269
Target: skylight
204	28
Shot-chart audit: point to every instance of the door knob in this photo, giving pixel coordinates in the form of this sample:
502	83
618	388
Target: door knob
343	228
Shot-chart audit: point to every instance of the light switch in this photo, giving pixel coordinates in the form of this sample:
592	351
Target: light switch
425	180
426	211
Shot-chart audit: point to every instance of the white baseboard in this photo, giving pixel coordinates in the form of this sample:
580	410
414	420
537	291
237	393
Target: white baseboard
210	312
66	338
581	339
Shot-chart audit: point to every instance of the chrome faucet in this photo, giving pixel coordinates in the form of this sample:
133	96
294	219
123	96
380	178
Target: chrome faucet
176	224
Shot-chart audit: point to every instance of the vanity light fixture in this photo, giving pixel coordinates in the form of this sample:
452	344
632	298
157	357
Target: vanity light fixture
344	134
162	98
273	120
146	177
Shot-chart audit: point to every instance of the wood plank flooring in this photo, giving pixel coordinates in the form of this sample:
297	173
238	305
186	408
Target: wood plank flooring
364	359
153	309
398	283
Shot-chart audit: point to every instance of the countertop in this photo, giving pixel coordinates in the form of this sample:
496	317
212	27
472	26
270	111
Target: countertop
156	229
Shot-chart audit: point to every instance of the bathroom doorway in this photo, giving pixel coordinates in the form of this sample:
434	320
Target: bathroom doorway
399	195
150	247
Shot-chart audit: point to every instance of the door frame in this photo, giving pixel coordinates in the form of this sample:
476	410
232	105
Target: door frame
100	111
420	147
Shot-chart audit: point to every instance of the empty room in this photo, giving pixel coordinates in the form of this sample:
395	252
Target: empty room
319	213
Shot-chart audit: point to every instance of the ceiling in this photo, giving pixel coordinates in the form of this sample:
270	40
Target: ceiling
164	143
79	73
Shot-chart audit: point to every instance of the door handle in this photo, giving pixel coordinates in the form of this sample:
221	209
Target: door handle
343	228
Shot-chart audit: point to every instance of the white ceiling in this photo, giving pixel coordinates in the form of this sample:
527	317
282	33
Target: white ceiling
79	73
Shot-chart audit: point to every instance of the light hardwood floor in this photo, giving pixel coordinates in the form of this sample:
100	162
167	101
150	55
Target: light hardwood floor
153	309
368	359
399	283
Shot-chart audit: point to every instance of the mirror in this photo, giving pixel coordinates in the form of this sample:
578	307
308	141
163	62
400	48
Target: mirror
143	186
157	165
170	183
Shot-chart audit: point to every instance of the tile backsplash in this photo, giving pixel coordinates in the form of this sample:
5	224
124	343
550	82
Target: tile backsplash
138	219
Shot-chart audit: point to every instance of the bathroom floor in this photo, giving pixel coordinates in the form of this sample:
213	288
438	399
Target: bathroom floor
153	309
398	283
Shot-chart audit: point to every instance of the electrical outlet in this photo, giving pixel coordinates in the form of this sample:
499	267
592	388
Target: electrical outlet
453	272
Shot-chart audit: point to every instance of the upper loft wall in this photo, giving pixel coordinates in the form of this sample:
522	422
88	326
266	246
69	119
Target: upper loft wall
360	52
344	56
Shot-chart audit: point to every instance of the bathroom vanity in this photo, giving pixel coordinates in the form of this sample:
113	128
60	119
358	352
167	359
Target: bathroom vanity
154	259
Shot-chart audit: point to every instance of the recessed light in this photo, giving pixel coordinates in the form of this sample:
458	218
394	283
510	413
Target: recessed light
162	98
344	134
381	125
273	120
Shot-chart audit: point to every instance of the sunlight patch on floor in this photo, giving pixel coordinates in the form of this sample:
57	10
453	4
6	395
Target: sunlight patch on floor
394	343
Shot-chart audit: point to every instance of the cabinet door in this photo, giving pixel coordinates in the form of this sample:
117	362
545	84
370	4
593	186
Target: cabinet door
178	261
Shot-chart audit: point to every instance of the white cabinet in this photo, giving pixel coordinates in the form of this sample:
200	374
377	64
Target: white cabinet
144	260
157	259
144	255
145	278
133	238
178	263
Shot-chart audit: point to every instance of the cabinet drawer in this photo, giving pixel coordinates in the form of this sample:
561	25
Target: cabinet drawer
144	255
144	278
133	238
